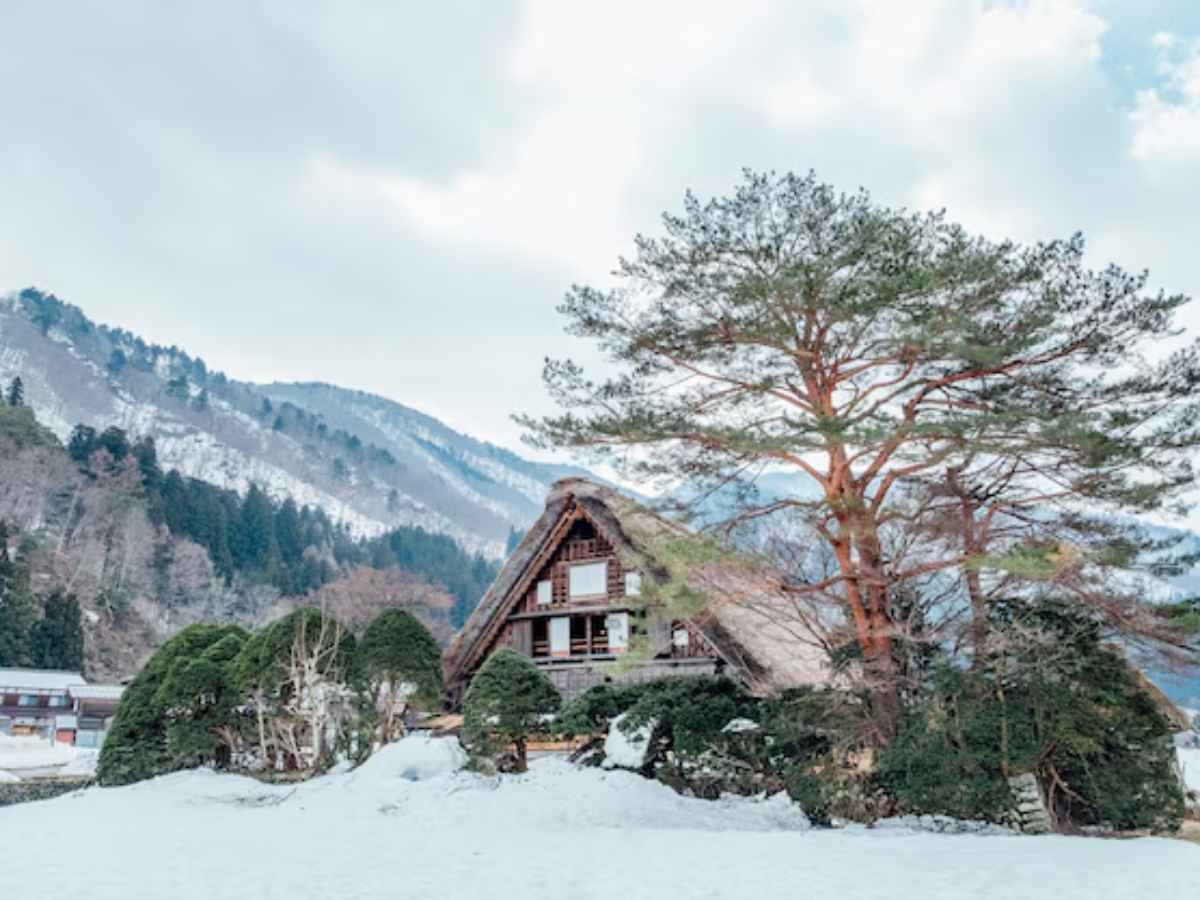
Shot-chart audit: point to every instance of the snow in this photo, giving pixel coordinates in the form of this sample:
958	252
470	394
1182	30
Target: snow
579	832
83	765
8	777
34	753
416	758
740	726
627	751
15	680
1189	760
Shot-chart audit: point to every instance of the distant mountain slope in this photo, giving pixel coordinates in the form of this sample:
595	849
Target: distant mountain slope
134	548
366	461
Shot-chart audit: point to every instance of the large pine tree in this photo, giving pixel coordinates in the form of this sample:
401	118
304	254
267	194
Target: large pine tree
876	352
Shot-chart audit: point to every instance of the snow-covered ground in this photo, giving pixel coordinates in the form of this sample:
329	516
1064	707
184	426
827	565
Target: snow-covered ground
27	756
1189	759
407	824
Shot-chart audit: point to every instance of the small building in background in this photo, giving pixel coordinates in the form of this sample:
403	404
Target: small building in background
56	705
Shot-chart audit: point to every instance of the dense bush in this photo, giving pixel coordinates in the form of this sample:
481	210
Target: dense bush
165	691
294	695
1058	704
401	664
509	698
689	712
785	742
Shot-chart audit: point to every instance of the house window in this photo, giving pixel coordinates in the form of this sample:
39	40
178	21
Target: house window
545	593
541	637
617	626
681	638
589	580
58	700
27	700
633	584
560	636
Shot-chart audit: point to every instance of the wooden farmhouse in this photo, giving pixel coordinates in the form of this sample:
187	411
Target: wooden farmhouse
579	594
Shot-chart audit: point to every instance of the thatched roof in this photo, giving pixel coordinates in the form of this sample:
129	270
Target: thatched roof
754	626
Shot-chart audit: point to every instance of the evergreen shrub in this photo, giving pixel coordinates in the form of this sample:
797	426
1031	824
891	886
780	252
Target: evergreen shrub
509	699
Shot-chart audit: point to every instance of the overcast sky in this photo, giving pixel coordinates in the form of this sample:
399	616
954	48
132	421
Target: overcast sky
394	197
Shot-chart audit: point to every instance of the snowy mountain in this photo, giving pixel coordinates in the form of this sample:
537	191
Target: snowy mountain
367	461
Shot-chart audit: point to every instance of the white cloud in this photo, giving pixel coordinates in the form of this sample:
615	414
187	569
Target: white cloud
1162	40
1166	121
609	75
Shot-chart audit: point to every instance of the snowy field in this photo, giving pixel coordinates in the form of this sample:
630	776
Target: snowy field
1190	761
407	825
26	757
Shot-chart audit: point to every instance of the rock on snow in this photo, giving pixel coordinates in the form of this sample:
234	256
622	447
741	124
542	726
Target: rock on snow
627	750
377	832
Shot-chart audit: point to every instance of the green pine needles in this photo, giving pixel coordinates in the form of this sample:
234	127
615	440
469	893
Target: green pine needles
509	698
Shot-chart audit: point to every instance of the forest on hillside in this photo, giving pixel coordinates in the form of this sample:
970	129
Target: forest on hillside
100	525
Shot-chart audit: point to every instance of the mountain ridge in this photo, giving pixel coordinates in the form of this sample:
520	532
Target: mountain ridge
369	461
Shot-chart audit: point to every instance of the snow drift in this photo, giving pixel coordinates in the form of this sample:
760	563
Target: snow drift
412	823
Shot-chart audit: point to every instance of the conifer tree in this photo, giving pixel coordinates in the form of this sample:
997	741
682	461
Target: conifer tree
255	546
16	392
56	640
791	328
19	609
82	443
137	744
402	666
508	699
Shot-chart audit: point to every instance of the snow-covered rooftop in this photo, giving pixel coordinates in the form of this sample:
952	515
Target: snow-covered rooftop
38	679
96	691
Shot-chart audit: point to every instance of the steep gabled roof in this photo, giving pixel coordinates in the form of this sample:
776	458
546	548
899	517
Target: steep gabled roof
754	626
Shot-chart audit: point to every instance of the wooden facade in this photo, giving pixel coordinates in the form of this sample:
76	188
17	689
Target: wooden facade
570	598
575	623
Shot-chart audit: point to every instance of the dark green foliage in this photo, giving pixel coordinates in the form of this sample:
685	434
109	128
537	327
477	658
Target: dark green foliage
1060	705
397	648
689	712
115	441
591	711
117	361
440	560
82	443
16	392
56	641
507	700
137	746
199	698
261	665
178	388
946	758
400	665
254	545
293	548
19	608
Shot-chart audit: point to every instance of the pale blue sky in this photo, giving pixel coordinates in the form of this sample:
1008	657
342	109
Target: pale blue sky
394	197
